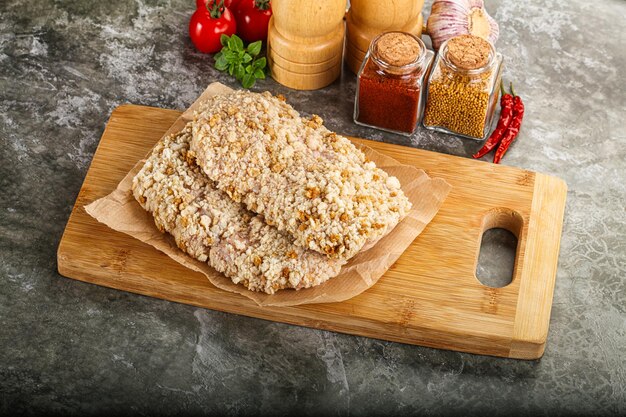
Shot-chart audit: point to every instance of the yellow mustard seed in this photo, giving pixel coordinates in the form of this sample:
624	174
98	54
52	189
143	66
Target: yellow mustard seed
458	98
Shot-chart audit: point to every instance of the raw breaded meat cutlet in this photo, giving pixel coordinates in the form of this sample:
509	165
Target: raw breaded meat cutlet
211	227
304	179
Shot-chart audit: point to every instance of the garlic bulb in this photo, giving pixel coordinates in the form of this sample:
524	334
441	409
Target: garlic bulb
449	18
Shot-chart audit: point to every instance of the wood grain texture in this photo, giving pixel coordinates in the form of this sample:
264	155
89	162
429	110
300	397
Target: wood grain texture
367	19
354	58
430	296
304	68
305	42
304	81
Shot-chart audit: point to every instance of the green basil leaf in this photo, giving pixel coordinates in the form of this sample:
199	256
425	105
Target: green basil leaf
232	43
247	58
237	43
231	56
248	81
224	40
231	69
218	55
221	64
240	72
260	63
254	48
259	74
249	69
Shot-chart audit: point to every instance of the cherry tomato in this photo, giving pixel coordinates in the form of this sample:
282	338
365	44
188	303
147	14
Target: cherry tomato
207	26
253	17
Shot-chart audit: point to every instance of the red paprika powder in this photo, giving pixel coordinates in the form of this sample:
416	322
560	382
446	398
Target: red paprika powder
389	84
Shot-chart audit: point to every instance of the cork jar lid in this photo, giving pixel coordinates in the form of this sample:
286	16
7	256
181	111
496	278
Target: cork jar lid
398	48
468	51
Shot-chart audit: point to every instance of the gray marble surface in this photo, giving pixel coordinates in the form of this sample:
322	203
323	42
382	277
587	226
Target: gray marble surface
73	348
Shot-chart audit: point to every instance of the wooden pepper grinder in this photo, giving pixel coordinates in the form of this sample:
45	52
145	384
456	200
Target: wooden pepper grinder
305	42
367	19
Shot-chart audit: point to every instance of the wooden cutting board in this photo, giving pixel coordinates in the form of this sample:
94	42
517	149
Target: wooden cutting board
429	297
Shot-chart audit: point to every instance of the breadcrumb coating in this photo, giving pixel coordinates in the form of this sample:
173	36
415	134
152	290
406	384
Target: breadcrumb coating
303	178
211	227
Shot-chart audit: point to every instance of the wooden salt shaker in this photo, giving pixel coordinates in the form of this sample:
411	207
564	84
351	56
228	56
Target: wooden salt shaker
305	42
367	19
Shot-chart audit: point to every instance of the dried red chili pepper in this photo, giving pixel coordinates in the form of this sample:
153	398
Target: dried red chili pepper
513	130
506	115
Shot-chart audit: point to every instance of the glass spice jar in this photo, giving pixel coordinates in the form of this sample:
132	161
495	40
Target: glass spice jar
463	87
389	83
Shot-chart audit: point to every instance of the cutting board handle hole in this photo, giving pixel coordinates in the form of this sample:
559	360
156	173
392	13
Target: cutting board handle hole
498	248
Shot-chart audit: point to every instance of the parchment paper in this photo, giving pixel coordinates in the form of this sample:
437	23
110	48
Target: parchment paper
120	211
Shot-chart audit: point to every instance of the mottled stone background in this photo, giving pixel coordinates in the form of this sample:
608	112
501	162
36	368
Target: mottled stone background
70	347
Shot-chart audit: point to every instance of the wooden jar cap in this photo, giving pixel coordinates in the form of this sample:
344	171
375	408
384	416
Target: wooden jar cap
358	38
361	36
468	51
397	48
